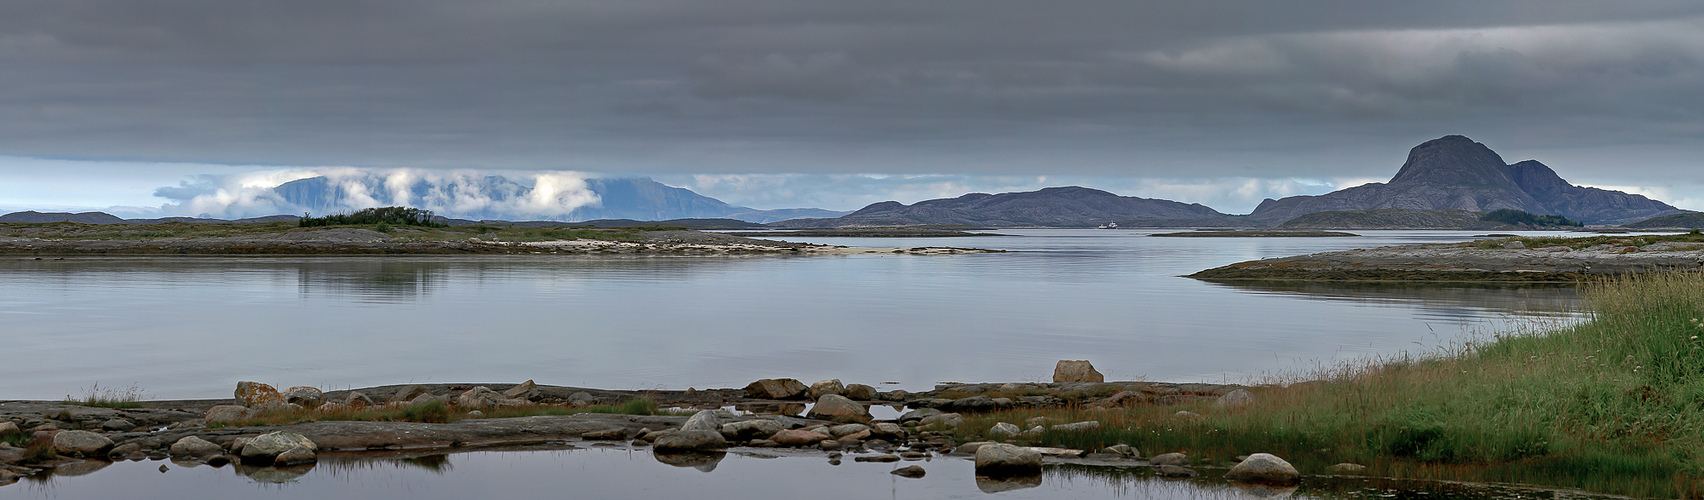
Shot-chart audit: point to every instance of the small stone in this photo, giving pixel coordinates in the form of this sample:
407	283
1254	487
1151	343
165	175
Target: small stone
828	444
357	399
118	425
911	471
1122	449
80	444
1035	431
840	431
1236	399
1003	429
256	394
1348	468
308	397
124	450
476	414
1174	471
942	420
1177	459
229	413
478	397
583	397
970	448
524	390
1076	371
407	394
887	430
919	414
191	446
295	456
1000	459
1264	468
826	387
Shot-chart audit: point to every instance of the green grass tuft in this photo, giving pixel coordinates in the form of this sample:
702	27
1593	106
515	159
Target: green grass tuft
107	397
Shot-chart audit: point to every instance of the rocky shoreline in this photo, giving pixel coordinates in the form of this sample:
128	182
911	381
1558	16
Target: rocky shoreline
826	418
1513	260
355	241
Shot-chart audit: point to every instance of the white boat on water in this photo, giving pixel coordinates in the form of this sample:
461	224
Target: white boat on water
1109	225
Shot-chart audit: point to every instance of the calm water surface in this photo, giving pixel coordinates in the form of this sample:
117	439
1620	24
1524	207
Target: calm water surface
193	327
631	474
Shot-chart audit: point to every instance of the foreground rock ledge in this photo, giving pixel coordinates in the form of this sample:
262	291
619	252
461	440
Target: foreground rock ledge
1468	262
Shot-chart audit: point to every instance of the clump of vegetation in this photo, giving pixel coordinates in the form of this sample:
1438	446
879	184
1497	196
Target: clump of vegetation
1520	218
16	438
1613	405
108	397
384	216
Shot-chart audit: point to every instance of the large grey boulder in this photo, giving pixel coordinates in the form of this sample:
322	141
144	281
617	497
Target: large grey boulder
478	397
1264	468
693	440
308	397
257	395
918	414
407	394
1000	459
704	420
191	446
825	387
81	444
1236	399
837	407
1076	371
776	388
267	447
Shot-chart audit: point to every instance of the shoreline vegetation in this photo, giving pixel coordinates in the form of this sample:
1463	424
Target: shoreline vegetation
1494	260
1612	405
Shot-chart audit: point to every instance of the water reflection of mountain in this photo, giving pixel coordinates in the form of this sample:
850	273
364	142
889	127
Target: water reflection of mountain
1453	301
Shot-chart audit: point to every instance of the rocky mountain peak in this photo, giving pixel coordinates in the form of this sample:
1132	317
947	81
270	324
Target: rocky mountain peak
1454	160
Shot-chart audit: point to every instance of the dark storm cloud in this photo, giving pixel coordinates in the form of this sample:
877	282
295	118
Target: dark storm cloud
1169	89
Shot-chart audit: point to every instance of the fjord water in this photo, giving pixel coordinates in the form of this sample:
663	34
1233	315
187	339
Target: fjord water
191	327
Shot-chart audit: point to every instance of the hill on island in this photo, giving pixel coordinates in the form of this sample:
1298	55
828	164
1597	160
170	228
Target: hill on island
1688	220
1056	206
1455	173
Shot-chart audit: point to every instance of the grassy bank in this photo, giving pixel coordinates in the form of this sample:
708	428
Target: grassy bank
1613	405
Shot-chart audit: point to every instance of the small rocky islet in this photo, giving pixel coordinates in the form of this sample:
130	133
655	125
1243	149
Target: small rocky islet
1505	259
779	415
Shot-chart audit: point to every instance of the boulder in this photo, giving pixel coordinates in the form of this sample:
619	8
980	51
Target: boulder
407	394
825	387
861	392
1264	468
1000	459
295	456
426	397
840	431
117	425
942	420
973	404
1003	429
1076	371
970	448
837	407
525	390
332	407
1348	468
1174	471
582	398
1078	426
777	388
887	430
256	395
267	447
746	430
308	397
480	397
1177	459
918	414
81	444
124	450
191	446
798	437
911	471
1236	399
357	399
229	413
1123	449
7	427
694	440
704	420
895	395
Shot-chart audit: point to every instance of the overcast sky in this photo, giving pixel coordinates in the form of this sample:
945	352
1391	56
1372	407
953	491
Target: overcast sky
837	104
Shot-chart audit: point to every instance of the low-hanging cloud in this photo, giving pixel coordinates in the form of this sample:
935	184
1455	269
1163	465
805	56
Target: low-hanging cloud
547	195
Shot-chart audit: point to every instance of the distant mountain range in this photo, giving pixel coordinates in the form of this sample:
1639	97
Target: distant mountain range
1057	206
1455	173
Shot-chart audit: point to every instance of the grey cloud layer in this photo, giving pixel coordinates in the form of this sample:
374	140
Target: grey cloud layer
1140	89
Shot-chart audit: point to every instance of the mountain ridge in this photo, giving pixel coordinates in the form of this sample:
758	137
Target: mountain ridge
1066	206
